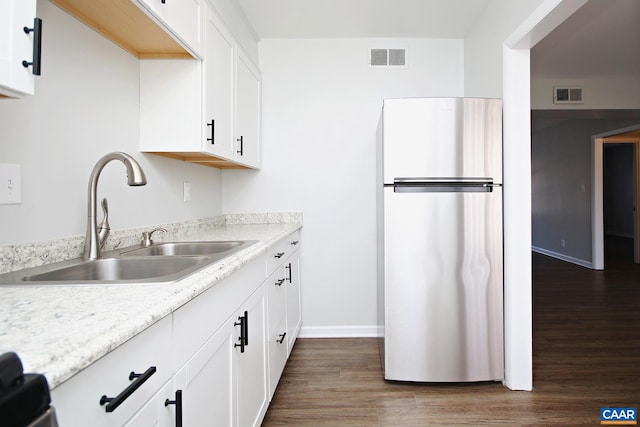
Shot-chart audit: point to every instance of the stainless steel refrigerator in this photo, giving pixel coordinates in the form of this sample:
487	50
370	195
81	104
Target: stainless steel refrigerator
440	251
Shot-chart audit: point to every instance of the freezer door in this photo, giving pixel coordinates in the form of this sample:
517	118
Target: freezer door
442	137
443	276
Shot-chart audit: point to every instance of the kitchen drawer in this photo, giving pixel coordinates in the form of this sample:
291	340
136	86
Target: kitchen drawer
77	400
277	254
195	322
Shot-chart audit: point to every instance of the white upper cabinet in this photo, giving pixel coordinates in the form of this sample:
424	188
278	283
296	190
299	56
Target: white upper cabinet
145	28
205	112
247	126
218	89
183	18
17	46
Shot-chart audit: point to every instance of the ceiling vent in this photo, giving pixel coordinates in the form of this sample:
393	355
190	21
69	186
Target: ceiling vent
568	95
388	58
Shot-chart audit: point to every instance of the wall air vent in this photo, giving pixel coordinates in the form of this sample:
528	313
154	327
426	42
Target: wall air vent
568	95
388	58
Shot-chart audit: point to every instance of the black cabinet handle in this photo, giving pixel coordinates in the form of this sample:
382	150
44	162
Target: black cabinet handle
246	328
279	255
241	140
213	132
163	1
295	242
281	340
114	402
244	331
279	282
178	403
288	267
37	46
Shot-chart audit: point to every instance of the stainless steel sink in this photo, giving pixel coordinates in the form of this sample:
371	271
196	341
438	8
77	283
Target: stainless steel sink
188	248
161	262
119	269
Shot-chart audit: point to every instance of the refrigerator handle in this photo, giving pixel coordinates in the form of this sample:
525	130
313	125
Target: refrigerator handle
470	185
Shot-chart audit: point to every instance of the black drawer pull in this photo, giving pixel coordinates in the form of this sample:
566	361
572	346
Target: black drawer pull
37	46
244	331
281	340
279	255
295	242
114	402
241	141
279	282
178	403
213	132
288	267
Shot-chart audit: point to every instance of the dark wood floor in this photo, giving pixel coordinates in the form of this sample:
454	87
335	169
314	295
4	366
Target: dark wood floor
586	356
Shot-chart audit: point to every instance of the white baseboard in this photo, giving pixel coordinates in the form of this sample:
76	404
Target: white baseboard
339	332
563	257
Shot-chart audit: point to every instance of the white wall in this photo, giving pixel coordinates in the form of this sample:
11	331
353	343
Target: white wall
607	92
321	104
561	195
483	45
86	105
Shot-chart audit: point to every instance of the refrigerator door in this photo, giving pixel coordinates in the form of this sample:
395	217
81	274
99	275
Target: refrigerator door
442	137
443	286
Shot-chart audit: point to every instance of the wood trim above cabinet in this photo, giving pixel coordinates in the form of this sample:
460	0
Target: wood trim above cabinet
124	23
200	159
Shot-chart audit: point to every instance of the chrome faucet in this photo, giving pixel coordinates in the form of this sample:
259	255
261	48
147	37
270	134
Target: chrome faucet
93	241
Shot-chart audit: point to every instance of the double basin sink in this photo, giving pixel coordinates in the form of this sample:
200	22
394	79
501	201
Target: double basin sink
160	262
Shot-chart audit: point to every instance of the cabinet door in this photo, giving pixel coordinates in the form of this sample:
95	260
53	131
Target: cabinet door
155	413
248	111
207	382
218	89
294	316
16	46
251	364
276	327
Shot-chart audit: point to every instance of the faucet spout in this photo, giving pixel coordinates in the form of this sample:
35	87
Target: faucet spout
136	177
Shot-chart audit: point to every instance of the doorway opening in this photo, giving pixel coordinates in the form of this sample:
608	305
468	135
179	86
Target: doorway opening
629	135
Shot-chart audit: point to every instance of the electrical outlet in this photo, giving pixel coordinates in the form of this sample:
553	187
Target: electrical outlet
186	191
10	184
562	242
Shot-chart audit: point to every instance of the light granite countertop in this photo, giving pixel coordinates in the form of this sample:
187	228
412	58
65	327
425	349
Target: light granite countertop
60	330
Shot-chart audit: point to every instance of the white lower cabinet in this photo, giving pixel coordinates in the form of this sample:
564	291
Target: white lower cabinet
251	361
79	401
215	361
277	328
224	382
292	284
206	381
283	302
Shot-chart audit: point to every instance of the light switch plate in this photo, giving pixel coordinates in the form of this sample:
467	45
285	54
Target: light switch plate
10	184
186	191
